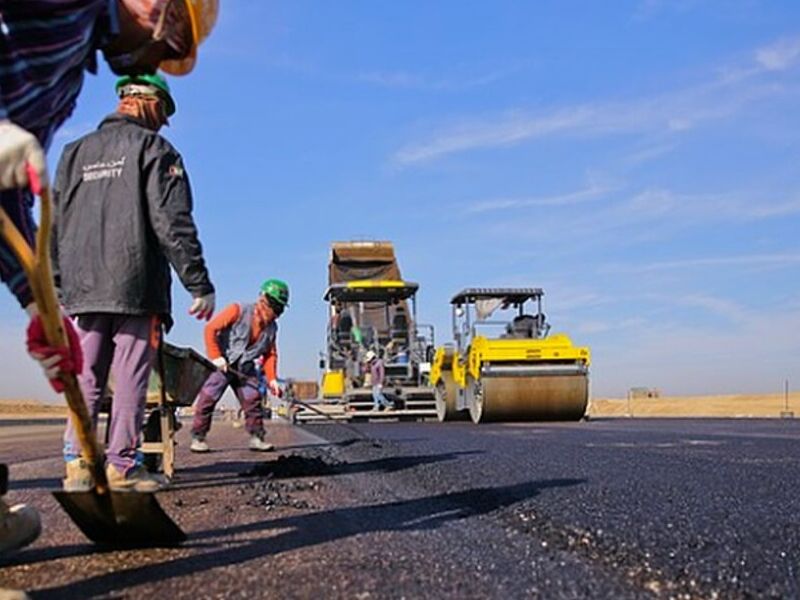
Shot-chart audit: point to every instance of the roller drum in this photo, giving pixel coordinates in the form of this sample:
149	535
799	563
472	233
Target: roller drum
531	398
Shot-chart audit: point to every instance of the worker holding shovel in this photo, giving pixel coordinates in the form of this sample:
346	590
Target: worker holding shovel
37	96
235	339
123	215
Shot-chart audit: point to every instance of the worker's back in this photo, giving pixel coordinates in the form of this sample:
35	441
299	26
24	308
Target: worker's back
123	214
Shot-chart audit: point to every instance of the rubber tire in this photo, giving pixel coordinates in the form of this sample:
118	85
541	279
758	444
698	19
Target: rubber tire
441	399
475	400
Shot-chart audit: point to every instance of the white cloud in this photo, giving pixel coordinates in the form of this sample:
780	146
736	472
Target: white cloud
508	129
396	79
673	209
592	192
649	153
718	306
764	211
614	325
651	203
780	55
671	112
640	217
752	260
405	80
694	209
674	113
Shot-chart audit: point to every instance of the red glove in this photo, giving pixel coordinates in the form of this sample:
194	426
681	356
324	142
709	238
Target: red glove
55	360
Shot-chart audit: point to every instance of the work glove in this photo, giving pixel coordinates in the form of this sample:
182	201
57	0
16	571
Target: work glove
55	360
203	307
19	152
275	388
221	364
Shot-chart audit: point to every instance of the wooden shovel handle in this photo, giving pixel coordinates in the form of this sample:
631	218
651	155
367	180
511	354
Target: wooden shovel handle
39	270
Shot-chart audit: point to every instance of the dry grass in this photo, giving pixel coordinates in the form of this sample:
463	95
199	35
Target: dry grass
30	409
750	405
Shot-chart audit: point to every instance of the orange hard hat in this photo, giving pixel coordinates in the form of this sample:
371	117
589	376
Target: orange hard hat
203	16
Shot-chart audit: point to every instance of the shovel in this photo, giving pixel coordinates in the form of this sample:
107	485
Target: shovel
313	409
105	517
349	428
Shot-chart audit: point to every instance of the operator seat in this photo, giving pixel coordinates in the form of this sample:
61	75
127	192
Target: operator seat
524	326
400	327
344	328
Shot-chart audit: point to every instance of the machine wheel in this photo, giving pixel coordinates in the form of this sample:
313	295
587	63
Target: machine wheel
475	399
445	395
440	397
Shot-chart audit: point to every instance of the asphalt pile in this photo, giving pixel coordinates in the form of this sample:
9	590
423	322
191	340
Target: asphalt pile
270	491
269	494
309	464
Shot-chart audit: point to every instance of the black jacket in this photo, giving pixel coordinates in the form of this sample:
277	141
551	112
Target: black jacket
123	214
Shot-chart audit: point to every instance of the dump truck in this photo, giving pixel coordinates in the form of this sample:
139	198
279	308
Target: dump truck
370	307
508	369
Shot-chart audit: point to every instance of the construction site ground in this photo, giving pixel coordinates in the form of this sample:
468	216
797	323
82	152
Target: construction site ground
609	508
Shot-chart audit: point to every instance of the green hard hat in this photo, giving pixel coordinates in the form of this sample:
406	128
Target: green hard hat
277	290
154	79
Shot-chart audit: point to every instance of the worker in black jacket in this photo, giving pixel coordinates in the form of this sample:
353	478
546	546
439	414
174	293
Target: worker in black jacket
123	215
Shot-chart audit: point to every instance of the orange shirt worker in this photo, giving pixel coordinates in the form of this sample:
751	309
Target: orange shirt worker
235	339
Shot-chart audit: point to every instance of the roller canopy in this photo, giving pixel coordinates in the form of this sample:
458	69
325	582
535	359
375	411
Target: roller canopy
509	295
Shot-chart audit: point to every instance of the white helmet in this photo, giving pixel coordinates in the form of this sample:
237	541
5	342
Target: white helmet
370	356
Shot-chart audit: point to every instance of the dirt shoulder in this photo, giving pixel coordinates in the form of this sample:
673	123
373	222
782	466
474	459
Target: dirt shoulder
737	406
30	409
721	406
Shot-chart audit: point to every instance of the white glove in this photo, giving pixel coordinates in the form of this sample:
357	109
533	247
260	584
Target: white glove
19	148
275	388
203	307
221	363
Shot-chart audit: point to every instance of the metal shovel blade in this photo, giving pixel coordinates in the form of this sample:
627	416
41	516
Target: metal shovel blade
121	518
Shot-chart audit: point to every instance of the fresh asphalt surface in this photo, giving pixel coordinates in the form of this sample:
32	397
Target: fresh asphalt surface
601	509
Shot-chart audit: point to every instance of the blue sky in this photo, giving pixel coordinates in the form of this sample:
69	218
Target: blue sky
638	160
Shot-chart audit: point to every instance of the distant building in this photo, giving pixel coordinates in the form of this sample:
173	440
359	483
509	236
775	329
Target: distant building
643	392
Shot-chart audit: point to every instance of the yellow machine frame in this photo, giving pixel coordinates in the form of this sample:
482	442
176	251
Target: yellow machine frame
333	384
557	347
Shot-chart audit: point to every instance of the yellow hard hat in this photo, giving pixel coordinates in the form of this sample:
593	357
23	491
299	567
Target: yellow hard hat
203	15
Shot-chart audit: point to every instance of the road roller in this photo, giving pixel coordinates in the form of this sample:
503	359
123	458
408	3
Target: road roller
505	365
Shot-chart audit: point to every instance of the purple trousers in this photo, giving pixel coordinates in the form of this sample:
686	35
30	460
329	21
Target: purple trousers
125	346
247	393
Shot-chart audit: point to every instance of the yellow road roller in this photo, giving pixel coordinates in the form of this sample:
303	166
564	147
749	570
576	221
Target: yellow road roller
508	369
